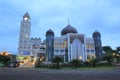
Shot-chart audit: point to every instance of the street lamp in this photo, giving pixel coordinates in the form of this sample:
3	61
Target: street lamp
113	54
80	57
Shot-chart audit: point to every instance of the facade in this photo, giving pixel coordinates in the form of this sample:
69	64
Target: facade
98	45
29	46
49	45
71	45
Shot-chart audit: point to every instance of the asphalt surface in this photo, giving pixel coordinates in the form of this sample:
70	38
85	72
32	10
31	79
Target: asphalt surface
37	74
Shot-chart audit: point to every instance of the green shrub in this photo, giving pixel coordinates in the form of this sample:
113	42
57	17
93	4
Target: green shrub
57	60
38	63
65	65
1	64
76	63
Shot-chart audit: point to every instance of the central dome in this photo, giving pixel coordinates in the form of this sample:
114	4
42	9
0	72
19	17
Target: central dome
68	29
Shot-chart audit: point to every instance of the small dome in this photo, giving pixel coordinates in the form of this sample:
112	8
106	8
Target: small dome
96	33
49	33
68	29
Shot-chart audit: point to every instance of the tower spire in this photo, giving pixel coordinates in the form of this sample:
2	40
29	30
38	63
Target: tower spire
68	21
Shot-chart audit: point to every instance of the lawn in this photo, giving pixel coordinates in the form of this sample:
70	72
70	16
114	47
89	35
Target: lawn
87	68
80	68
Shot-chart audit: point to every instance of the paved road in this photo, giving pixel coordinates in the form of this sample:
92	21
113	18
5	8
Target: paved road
36	74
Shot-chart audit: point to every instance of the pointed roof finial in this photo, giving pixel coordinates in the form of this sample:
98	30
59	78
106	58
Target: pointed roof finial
68	21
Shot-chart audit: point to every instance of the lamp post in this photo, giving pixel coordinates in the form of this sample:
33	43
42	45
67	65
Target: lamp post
80	57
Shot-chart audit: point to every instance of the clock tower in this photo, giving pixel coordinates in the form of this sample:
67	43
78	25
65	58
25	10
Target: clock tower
24	37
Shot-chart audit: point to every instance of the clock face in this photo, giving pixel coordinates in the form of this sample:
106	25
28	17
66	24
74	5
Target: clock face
25	18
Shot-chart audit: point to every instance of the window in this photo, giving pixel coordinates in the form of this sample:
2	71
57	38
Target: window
65	44
29	47
87	50
61	46
61	50
25	41
87	45
92	50
56	45
92	45
24	47
56	50
20	46
66	50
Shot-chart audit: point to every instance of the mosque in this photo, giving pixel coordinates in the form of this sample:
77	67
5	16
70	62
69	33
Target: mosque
71	45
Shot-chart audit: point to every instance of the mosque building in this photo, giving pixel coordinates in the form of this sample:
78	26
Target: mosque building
71	45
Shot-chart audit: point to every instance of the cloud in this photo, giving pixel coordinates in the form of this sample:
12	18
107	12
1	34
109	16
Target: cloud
111	40
85	15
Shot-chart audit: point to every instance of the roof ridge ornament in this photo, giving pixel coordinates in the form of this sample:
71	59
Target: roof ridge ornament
68	21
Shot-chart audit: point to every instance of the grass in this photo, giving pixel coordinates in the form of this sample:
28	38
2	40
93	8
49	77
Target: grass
100	66
81	68
88	68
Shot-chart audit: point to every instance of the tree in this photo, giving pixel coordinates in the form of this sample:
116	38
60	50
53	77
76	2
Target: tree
38	63
57	60
76	63
109	57
4	59
107	48
116	55
94	61
118	48
110	54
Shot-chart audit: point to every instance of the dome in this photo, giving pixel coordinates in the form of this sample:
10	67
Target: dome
49	33
96	33
68	29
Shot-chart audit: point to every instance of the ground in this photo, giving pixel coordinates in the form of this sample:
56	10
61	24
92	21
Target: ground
37	74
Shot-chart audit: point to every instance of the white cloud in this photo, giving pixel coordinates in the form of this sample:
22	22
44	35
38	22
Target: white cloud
85	15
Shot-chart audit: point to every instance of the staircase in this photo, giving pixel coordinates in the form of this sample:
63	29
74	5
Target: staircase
28	65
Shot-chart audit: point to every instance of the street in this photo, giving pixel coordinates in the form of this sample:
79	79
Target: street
37	74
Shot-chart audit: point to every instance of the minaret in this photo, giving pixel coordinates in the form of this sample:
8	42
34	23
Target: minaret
49	45
24	37
98	45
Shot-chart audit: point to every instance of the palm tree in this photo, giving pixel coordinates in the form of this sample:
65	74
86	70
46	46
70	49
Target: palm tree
57	60
4	59
94	61
109	57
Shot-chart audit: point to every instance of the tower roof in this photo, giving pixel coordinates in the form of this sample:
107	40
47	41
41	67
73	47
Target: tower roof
96	33
27	15
49	33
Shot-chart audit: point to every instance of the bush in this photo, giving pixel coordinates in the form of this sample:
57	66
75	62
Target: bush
65	65
118	60
76	63
38	63
1	64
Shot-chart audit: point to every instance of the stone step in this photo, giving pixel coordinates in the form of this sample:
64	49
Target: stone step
28	65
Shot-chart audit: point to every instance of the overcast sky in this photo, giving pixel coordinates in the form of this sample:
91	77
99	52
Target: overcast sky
84	15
